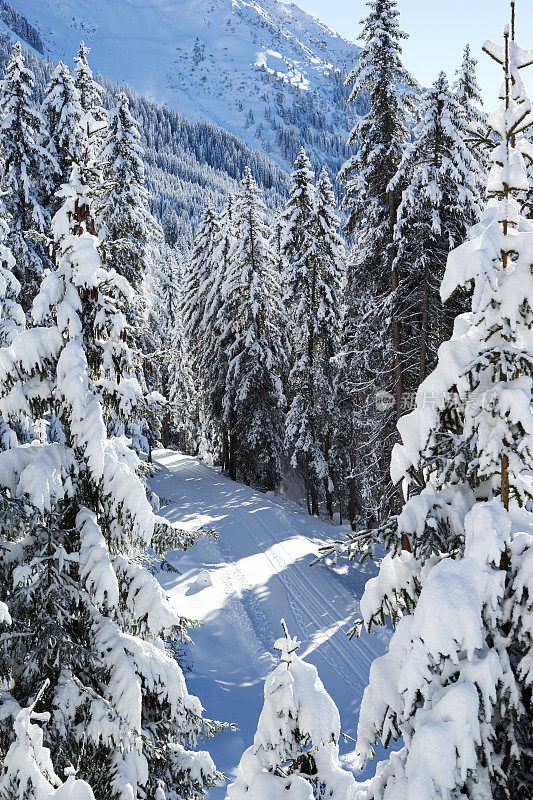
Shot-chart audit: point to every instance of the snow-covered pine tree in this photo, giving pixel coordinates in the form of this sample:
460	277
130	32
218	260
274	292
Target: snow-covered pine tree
303	431
277	231
375	348
158	292
23	161
227	225
220	336
330	255
467	91
200	305
133	240
456	682
344	455
123	215
94	120
295	754
95	115
276	242
73	788
438	206
66	140
252	308
182	389
12	318
27	770
163	300
474	120
75	525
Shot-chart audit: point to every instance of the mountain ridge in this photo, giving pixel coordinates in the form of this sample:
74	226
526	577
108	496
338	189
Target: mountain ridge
253	67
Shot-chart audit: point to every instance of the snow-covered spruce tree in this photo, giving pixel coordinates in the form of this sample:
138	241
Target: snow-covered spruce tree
94	119
66	140
330	256
132	238
314	253
75	524
303	430
27	770
344	456
163	297
456	682
438	206
182	389
375	346
219	337
252	308
95	116
123	215
158	291
12	319
474	120
467	90
201	318
276	243
295	754
468	95
23	161
276	238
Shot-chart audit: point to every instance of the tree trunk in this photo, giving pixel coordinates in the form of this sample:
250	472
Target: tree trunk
232	463
307	483
311	358
352	501
314	501
424	328
225	451
329	498
396	340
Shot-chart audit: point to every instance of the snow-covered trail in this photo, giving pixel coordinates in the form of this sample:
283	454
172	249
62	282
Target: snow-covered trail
241	584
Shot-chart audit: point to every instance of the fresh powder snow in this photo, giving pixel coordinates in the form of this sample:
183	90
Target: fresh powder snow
242	584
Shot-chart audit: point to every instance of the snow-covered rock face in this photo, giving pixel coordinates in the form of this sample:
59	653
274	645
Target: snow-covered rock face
222	60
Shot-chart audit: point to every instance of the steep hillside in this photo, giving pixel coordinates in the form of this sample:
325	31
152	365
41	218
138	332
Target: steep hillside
254	67
188	164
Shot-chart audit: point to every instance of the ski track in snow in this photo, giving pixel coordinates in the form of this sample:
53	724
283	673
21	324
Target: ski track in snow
258	572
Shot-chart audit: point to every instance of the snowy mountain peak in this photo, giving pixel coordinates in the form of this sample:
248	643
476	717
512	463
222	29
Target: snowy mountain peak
251	66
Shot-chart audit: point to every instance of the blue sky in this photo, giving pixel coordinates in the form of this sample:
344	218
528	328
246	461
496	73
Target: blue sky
438	31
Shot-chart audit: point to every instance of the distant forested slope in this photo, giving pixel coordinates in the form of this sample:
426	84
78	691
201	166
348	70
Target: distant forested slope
188	164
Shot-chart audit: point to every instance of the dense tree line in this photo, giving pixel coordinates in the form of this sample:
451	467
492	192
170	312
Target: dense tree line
20	26
456	683
186	162
88	672
262	313
364	327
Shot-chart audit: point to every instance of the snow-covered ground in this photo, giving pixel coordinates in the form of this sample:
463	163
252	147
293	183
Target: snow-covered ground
240	586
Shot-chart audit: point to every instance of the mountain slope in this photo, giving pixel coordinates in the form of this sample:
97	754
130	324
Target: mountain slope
240	586
255	67
188	164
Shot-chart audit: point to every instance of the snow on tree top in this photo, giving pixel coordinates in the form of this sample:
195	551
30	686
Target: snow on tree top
73	789
287	644
520	56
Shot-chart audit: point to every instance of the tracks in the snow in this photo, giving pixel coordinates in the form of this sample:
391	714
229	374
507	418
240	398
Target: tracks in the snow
321	623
